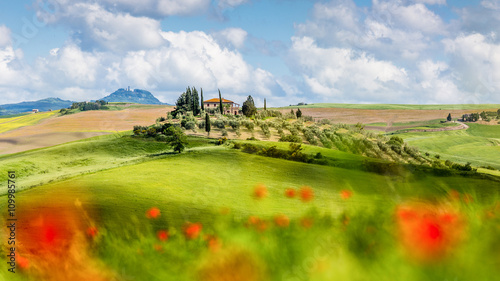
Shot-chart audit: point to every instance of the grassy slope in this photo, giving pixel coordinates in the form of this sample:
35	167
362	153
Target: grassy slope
8	124
196	185
480	144
399	106
45	165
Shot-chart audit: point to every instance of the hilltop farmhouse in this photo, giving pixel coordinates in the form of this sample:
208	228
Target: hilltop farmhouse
230	107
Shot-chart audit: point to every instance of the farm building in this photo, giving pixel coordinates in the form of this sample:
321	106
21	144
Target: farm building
35	111
232	107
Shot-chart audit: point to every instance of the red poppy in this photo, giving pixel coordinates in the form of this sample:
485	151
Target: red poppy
306	222
162	235
306	193
262	226
158	247
260	191
192	230
454	195
22	262
92	231
281	220
345	194
214	244
153	213
429	232
290	192
253	220
467	198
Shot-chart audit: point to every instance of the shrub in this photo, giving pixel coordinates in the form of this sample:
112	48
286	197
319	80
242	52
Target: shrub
249	125
235	124
218	123
201	124
224	132
291	138
237	145
160	119
325	122
307	118
190	125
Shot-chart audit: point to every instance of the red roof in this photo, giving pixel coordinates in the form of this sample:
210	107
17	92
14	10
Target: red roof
218	100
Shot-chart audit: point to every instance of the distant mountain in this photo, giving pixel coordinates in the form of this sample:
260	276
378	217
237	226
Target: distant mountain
136	96
42	105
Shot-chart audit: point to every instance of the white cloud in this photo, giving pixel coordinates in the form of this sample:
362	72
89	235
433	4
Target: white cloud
475	59
431	2
5	38
224	4
234	37
97	27
343	73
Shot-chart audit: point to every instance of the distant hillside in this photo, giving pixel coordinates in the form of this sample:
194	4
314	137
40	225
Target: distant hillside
42	105
136	96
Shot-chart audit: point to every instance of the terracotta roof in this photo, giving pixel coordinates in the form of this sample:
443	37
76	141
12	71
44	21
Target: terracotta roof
217	100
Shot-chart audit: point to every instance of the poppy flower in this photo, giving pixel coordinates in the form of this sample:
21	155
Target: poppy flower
290	192
454	195
262	226
22	262
214	244
153	213
429	232
306	193
345	194
192	230
260	191
281	220
467	198
162	235
253	220
158	247
92	231
306	222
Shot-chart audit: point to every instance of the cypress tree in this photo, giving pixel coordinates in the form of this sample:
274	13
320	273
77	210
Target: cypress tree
265	104
202	104
189	100
298	113
220	103
207	123
196	102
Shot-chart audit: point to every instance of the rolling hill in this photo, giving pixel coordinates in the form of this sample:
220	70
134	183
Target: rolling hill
42	105
136	96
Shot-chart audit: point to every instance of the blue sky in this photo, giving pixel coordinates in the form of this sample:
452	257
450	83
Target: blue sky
287	51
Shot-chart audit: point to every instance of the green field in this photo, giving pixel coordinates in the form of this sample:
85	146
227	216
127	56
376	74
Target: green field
114	180
11	123
399	106
480	144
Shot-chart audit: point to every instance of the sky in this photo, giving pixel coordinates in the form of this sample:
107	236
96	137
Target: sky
286	51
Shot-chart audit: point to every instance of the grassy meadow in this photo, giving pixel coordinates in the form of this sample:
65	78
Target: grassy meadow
353	205
480	144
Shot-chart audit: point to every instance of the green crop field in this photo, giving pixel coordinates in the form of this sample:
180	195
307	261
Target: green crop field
128	208
11	123
400	106
480	144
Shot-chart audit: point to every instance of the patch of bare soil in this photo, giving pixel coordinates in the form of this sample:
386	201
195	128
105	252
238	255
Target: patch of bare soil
78	126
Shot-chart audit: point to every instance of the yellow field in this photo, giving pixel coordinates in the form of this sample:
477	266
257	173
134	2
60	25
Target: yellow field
9	124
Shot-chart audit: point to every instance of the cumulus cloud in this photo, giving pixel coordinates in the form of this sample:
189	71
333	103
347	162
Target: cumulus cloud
5	38
475	59
343	73
234	37
97	27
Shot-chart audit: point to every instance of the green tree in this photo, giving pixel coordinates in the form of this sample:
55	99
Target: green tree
176	138
202	104
483	115
220	103
498	112
196	102
265	108
449	117
298	113
248	107
207	123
